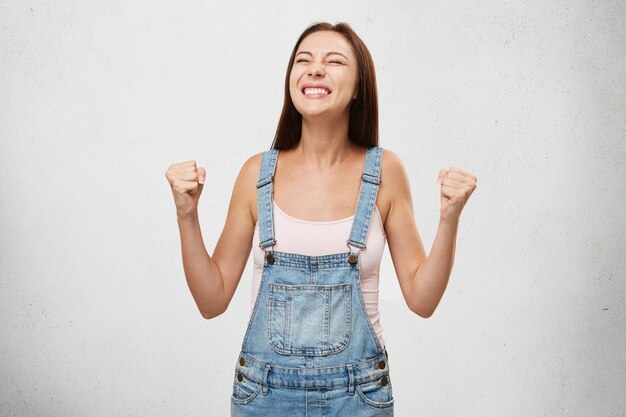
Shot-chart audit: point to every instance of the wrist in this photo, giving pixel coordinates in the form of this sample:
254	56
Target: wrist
448	221
187	217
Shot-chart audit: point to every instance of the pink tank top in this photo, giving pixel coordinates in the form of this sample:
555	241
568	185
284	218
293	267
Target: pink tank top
325	238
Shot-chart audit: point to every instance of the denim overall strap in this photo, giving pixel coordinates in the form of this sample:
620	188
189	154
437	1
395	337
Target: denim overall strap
265	192
367	197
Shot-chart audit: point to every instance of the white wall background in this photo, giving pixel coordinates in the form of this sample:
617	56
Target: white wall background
98	98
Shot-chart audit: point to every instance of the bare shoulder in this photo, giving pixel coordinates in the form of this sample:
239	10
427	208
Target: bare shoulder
392	164
248	178
394	182
252	166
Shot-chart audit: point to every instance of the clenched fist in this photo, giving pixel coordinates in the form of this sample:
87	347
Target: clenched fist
187	182
456	188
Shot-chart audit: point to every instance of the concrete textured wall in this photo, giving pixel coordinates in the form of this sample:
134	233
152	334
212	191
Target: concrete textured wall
98	98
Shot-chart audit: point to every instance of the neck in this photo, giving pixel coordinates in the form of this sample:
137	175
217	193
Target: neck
325	143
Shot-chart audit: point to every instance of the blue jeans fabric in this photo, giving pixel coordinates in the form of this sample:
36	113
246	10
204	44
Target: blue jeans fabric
310	348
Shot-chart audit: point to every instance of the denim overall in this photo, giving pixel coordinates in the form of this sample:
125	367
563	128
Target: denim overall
310	349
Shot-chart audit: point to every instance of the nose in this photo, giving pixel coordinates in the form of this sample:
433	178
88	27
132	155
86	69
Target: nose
316	69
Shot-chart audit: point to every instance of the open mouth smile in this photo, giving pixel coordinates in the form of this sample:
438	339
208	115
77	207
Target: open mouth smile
315	91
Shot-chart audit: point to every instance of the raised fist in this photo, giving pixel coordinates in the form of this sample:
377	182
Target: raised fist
187	182
456	188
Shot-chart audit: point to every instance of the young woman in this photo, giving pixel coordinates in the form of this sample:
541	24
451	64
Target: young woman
317	208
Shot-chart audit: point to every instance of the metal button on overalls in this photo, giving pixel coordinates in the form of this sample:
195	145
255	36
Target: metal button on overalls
309	344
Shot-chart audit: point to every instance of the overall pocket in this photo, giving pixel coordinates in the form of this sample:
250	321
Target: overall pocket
377	393
313	320
244	389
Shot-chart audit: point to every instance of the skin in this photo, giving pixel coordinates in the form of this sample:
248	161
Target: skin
319	180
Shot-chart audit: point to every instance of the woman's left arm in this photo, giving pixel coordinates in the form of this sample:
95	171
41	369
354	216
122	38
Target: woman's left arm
423	280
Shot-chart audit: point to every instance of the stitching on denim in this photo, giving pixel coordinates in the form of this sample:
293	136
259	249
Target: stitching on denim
287	348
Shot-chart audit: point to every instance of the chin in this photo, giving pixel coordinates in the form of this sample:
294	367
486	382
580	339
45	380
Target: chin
313	113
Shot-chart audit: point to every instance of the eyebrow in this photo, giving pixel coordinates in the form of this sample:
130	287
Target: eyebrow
329	53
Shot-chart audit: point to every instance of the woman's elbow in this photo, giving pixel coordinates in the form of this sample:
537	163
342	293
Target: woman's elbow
425	314
422	311
211	314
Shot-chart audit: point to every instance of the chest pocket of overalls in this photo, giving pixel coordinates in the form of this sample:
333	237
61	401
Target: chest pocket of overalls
313	320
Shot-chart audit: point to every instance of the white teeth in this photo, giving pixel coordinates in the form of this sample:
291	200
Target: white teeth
314	91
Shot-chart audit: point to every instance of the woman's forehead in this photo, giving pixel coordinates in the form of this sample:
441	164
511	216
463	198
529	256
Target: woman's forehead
325	41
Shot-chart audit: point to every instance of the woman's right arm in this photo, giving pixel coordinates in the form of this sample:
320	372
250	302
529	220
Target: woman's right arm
213	280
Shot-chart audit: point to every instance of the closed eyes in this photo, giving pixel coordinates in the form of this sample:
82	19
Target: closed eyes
331	62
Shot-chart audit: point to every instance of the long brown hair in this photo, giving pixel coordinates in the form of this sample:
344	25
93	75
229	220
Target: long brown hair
363	124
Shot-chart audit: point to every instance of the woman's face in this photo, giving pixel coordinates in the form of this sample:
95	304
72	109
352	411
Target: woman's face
323	78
